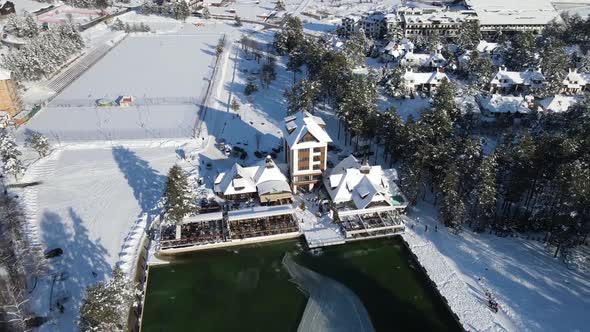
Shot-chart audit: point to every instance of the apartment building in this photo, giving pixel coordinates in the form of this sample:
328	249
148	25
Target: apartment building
306	149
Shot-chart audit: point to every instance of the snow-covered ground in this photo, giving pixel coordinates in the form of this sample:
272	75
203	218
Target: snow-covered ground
166	74
535	292
29	6
88	204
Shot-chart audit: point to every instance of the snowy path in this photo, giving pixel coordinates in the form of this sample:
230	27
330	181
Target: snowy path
331	306
473	313
301	7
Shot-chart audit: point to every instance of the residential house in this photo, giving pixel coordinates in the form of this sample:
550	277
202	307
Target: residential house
576	82
487	47
306	149
496	105
10	102
425	82
505	81
365	198
263	180
420	60
396	49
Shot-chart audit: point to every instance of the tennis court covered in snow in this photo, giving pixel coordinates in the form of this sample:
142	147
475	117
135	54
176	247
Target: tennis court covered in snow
166	75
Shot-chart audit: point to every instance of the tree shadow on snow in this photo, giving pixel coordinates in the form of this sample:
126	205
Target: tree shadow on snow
83	263
147	183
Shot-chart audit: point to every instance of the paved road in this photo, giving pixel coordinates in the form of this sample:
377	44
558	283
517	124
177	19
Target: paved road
331	307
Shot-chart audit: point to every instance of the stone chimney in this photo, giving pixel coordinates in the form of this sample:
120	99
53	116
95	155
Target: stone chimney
365	168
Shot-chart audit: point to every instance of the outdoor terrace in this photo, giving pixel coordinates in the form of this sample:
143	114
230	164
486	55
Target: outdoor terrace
371	225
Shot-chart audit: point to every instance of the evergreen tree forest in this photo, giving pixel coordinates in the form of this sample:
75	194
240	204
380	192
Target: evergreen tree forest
536	178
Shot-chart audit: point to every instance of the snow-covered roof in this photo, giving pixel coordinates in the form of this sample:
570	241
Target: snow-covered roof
574	79
5	74
235	181
360	183
203	217
439	17
559	103
435	59
265	178
486	47
510	12
413	78
505	104
508	78
301	123
259	212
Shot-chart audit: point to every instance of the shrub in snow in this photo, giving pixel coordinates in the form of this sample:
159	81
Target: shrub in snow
250	88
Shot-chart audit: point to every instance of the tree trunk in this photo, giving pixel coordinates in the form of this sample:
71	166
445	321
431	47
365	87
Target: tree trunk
556	251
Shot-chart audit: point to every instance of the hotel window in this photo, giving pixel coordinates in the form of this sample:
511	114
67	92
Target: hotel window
316	150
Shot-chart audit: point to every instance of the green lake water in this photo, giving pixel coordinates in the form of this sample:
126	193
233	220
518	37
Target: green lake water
247	289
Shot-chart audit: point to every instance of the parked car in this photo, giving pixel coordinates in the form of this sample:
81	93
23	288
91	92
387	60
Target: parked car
56	252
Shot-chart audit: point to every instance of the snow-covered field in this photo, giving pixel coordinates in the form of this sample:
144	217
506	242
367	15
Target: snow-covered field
147	66
166	74
89	203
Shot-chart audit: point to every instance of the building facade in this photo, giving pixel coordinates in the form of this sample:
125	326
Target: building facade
10	102
306	150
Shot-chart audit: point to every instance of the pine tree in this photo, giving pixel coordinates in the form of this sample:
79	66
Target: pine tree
118	25
38	142
521	53
469	35
178	196
268	72
480	70
444	99
584	63
250	88
290	36
302	96
452	209
554	64
395	85
107	304
295	62
485	194
181	10
356	47
13	166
